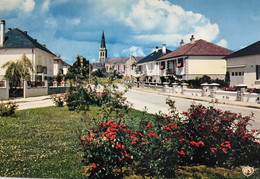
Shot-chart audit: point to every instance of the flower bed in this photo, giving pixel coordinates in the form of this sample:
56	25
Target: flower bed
158	145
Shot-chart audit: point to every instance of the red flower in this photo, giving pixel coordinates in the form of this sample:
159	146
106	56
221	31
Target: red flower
166	128
213	150
172	126
94	165
182	140
181	152
133	142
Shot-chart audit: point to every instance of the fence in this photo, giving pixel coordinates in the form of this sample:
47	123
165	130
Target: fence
208	90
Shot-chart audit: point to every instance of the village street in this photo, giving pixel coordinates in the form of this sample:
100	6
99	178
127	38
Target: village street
154	103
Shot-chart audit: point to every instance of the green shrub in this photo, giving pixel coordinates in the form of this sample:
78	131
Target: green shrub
8	109
215	137
200	136
58	99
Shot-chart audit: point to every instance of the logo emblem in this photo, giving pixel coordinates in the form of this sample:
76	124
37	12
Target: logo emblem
248	171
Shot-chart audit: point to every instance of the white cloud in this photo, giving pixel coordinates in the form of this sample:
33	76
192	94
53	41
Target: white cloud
9	5
74	21
223	43
133	50
28	5
45	5
157	20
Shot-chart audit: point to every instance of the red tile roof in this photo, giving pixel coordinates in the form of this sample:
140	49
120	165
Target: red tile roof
199	47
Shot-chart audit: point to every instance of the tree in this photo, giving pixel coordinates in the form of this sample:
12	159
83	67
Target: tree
100	72
18	70
79	71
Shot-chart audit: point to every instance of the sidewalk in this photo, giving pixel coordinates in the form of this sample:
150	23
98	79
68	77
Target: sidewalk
207	99
30	99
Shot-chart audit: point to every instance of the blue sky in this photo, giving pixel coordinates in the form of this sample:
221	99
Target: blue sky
132	27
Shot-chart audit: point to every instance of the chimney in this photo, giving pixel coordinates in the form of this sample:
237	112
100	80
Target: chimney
25	32
35	40
2	36
44	45
181	43
192	39
9	29
156	49
164	48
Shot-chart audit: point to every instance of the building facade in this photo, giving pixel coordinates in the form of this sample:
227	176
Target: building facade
195	59
15	43
243	66
125	66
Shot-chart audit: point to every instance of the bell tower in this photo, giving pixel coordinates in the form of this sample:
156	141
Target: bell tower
102	50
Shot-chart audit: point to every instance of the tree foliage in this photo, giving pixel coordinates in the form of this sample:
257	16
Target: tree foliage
79	71
18	70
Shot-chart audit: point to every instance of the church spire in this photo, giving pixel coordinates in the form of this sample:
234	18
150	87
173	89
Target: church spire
103	42
102	50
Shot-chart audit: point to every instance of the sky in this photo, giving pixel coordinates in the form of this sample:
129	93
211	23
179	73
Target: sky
132	27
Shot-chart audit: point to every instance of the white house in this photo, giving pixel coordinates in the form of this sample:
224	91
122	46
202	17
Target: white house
244	66
150	67
15	42
59	66
195	59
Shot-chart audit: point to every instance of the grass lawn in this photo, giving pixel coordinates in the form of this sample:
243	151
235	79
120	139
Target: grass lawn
40	143
43	143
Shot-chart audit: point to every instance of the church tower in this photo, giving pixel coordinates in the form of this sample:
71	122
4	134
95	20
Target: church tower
102	50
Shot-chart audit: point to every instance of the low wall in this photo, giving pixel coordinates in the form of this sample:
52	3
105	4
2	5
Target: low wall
192	92
229	95
35	91
251	97
209	91
4	90
57	90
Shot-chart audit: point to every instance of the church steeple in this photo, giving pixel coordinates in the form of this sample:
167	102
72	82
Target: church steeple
102	50
103	42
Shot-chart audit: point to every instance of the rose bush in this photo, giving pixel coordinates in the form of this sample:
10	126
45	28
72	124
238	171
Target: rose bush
202	135
215	137
58	99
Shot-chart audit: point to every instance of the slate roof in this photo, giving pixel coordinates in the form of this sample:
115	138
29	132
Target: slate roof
117	60
253	49
153	56
97	65
198	48
17	38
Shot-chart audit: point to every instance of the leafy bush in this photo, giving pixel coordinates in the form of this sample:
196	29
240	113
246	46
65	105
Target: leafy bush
200	136
8	109
80	98
58	99
224	138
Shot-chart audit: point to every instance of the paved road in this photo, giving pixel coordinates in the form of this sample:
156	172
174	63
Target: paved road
156	102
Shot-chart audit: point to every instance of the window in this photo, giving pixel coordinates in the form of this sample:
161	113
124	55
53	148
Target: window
180	63
257	72
233	74
162	65
236	73
39	60
239	73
